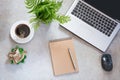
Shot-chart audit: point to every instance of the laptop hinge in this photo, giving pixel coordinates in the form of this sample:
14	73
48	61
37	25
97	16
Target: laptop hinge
118	20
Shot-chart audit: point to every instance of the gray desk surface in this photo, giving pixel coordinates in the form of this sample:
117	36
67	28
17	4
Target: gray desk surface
38	63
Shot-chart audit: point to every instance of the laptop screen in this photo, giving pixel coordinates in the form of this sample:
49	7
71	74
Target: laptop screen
109	7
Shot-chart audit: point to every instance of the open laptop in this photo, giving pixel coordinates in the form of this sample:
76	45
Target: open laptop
95	21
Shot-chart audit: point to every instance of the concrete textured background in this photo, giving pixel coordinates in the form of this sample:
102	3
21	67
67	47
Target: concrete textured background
38	64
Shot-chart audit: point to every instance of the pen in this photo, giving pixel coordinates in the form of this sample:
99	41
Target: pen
71	57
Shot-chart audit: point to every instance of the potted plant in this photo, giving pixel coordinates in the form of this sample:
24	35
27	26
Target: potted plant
17	55
45	11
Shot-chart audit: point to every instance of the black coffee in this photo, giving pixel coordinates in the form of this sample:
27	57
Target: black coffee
22	30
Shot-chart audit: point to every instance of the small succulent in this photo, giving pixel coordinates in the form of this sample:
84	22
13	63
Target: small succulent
17	55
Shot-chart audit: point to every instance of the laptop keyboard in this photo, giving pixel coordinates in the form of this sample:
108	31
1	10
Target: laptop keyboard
94	18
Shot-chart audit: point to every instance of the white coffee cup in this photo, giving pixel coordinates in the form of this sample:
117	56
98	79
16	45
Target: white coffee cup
22	32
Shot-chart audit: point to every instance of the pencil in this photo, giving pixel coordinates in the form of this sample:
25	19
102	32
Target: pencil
71	57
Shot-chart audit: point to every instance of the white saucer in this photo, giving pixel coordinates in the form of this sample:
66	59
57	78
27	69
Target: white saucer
18	39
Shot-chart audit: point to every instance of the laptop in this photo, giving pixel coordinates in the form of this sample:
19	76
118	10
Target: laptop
95	21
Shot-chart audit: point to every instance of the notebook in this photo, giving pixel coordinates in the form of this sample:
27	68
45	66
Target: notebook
63	56
95	21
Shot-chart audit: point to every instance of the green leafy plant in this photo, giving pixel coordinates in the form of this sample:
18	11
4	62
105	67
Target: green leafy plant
17	55
45	11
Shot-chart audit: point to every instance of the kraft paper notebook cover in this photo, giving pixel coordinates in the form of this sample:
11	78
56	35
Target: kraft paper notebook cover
62	61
